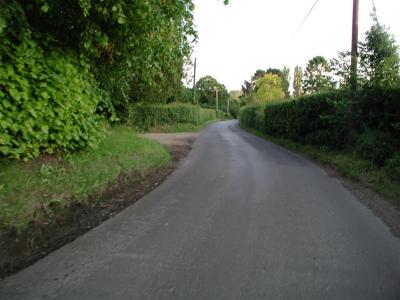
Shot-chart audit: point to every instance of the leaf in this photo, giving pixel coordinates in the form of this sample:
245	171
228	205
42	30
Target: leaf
44	8
121	20
3	24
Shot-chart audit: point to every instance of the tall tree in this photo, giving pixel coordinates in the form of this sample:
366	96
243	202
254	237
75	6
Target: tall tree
297	81
317	77
258	74
286	80
341	68
269	88
247	89
205	91
379	57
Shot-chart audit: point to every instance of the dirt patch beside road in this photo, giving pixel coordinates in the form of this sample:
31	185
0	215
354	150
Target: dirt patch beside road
178	143
19	250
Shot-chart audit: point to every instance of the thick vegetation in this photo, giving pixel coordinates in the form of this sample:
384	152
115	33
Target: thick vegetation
64	65
48	98
145	116
323	119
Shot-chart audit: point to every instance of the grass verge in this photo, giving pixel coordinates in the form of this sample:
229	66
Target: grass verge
347	164
29	190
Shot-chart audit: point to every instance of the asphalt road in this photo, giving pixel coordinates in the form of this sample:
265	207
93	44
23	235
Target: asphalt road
240	219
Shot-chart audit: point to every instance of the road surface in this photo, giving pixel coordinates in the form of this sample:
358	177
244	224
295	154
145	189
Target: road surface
240	219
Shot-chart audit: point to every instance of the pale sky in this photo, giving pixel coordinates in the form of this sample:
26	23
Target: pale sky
246	35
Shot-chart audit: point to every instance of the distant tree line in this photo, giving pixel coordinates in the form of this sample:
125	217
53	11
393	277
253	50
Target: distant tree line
378	66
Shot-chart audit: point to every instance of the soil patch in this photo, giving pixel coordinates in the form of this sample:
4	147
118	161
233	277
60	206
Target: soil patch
21	249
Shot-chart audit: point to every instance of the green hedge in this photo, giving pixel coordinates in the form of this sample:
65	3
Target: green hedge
323	119
47	98
145	116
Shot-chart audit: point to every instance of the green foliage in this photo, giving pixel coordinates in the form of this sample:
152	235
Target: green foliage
317	76
269	88
322	119
379	57
136	48
145	116
297	81
373	146
250	116
393	166
205	93
234	107
47	98
286	81
378	60
308	119
247	89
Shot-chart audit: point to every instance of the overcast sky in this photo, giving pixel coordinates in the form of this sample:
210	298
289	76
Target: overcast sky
246	35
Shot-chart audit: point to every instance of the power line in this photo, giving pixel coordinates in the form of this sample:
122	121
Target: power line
305	18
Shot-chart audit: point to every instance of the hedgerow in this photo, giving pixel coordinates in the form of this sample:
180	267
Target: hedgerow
145	116
323	119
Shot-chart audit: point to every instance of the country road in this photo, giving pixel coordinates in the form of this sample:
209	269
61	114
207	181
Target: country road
240	219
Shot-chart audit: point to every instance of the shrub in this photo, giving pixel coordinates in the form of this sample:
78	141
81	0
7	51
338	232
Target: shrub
323	119
47	99
234	107
372	145
379	108
145	116
315	119
393	166
247	116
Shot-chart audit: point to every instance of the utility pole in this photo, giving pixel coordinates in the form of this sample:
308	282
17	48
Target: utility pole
353	68
194	81
354	47
227	108
216	98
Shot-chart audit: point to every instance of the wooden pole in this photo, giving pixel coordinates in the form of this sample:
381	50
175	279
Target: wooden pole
354	46
353	69
194	81
216	98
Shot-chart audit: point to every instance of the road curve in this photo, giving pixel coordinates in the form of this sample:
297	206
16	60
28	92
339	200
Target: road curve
240	219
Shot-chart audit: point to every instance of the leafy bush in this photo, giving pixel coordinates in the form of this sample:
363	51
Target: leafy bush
393	166
315	119
379	108
234	107
323	119
145	116
137	48
372	145
47	99
247	116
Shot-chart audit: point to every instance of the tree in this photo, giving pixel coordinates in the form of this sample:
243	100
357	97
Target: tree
317	77
205	92
286	80
297	81
341	68
257	75
269	88
247	89
136	48
379	57
378	60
